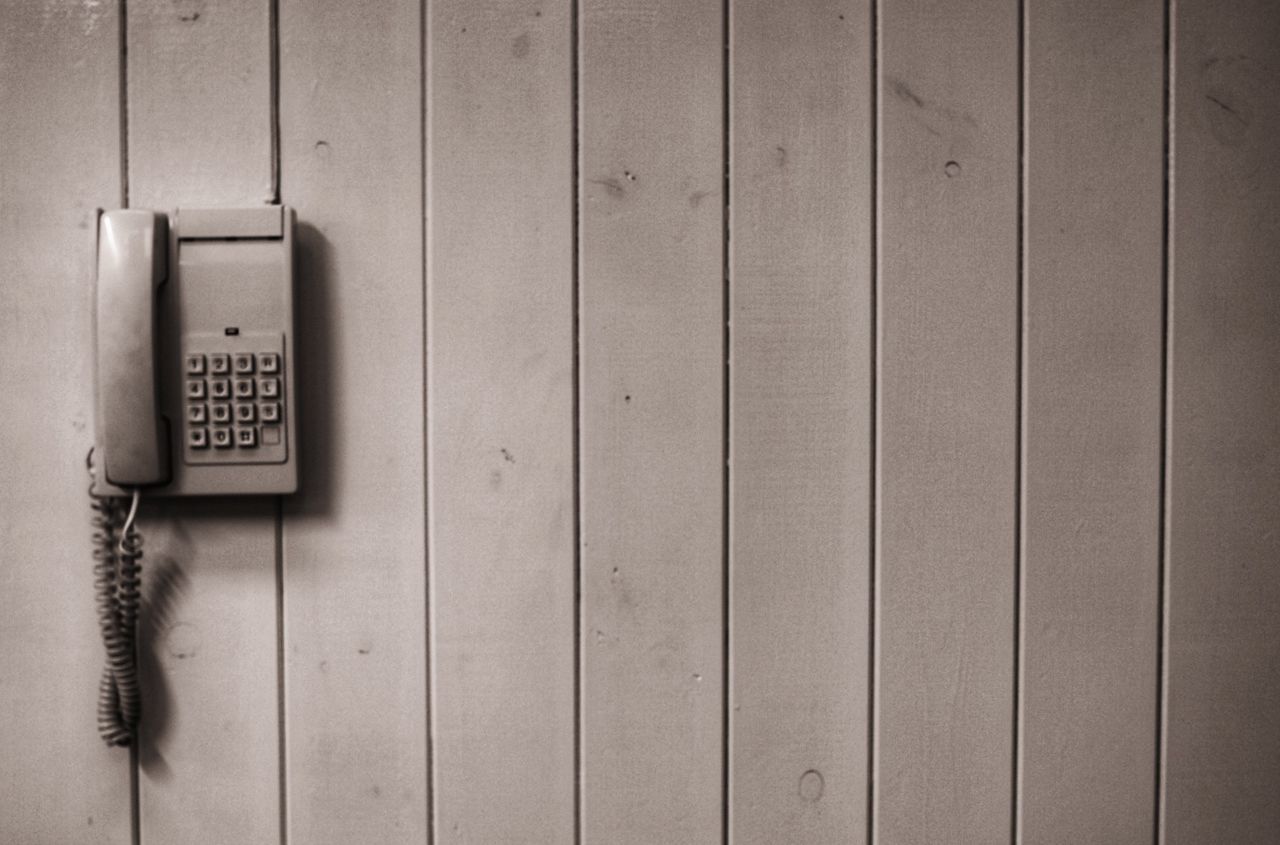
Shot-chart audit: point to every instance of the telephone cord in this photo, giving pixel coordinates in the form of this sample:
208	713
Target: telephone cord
117	552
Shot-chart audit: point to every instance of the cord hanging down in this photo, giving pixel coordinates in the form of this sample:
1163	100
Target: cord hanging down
117	552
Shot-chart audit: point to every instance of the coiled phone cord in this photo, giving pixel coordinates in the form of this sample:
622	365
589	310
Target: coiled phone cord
117	550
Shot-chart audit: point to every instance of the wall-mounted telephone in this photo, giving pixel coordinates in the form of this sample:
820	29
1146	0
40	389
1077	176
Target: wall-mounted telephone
195	363
195	391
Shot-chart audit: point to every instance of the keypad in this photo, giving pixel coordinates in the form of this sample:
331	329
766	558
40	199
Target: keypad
234	411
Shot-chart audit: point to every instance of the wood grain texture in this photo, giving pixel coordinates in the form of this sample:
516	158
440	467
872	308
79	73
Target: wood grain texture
200	134
59	158
354	544
947	382
1223	646
800	416
500	288
1092	416
200	102
652	372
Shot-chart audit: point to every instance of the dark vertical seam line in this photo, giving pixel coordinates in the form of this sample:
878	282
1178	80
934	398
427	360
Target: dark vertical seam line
1019	575
135	816
123	36
273	14
874	342
424	175
281	709
726	491
576	410
282	749
1162	565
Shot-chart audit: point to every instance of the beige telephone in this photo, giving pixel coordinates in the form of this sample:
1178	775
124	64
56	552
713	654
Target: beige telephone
195	363
195	392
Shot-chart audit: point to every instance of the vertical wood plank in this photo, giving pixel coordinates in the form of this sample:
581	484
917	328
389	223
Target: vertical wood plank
200	110
800	420
59	158
354	565
199	79
652	397
1223	646
1092	412
501	310
947	299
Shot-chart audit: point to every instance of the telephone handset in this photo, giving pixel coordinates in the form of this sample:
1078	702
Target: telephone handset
195	392
195	363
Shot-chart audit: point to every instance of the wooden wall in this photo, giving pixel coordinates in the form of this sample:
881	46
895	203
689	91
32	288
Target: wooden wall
724	421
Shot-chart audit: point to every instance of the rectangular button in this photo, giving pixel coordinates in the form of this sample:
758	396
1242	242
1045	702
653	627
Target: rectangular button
222	438
195	365
219	388
269	387
221	414
246	437
198	438
244	388
196	413
270	435
268	362
244	412
195	388
243	363
220	364
270	412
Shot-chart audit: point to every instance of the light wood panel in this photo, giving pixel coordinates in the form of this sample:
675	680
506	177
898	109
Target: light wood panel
500	287
354	566
1092	420
947	295
200	109
652	373
800	417
59	158
200	134
1223	644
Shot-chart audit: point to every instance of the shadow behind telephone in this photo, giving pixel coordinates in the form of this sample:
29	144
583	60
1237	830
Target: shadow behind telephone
195	352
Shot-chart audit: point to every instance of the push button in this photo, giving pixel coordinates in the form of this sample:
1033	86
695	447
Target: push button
220	364
243	363
244	412
221	414
270	412
219	388
195	388
195	365
246	438
268	362
198	438
197	413
269	388
244	388
222	438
